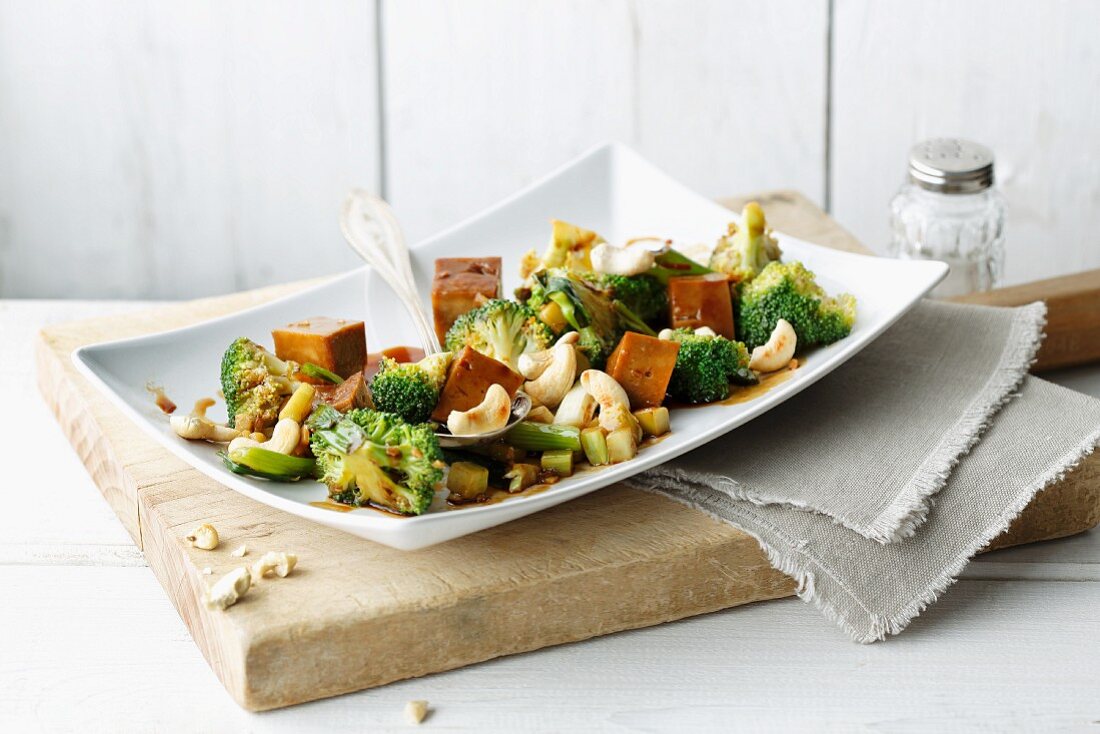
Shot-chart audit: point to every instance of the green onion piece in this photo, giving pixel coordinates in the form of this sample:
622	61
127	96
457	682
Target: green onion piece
320	373
543	436
323	416
559	461
257	462
671	264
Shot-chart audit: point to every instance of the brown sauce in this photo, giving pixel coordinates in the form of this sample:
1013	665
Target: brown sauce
768	380
400	354
334	506
745	393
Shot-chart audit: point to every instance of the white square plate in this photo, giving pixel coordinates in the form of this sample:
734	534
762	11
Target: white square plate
611	190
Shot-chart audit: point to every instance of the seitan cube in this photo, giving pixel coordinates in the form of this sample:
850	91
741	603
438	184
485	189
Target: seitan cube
462	284
338	345
351	393
469	378
702	300
643	366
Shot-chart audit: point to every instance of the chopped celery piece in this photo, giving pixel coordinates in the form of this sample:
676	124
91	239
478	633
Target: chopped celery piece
467	479
595	446
543	437
654	421
621	445
559	461
521	477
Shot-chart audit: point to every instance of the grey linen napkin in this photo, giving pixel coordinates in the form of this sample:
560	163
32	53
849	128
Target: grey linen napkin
812	479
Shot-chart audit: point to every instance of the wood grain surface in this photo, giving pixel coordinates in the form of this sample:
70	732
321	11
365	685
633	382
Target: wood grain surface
610	561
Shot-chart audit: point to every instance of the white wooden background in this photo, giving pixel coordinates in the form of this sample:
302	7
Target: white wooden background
166	149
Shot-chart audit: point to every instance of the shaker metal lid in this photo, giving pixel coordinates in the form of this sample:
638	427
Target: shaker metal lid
951	165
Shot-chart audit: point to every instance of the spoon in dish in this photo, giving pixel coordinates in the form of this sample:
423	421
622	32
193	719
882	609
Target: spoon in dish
373	233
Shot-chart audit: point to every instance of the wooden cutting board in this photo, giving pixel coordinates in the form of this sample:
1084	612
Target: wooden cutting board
356	614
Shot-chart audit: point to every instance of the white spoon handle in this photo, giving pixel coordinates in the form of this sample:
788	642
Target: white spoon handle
372	231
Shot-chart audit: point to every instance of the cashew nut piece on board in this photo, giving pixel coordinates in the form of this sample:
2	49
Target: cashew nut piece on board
201	428
204	537
577	408
613	401
284	439
621	260
533	364
777	352
272	562
490	414
227	590
551	386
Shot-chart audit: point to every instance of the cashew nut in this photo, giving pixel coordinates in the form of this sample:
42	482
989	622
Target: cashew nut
621	260
777	352
283	439
540	414
613	401
490	414
227	590
533	364
201	428
551	386
204	536
280	563
577	408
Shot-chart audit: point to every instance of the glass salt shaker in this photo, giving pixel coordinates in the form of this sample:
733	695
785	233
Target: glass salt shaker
949	211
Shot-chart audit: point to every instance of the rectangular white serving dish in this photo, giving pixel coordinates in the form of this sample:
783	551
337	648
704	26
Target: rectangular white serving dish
611	190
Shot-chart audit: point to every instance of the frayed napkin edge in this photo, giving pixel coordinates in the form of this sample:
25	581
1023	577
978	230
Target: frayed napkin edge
792	558
910	509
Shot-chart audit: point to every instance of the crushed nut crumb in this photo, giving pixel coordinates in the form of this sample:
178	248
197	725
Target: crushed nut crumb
240	552
415	711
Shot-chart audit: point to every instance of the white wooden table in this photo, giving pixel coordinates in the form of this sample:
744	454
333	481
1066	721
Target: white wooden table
89	642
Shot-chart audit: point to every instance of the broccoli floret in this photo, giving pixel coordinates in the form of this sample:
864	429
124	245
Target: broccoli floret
600	319
746	250
369	457
411	390
500	329
705	367
255	383
644	295
789	291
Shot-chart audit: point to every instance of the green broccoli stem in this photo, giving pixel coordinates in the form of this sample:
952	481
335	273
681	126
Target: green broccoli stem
267	464
532	436
631	320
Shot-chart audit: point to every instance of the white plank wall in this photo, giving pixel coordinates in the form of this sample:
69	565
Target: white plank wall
1021	77
180	149
169	150
483	97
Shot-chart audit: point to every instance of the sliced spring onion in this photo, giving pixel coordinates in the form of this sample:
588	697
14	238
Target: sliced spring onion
320	373
257	462
543	437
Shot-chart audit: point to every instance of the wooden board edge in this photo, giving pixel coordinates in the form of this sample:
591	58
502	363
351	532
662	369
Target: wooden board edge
55	372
